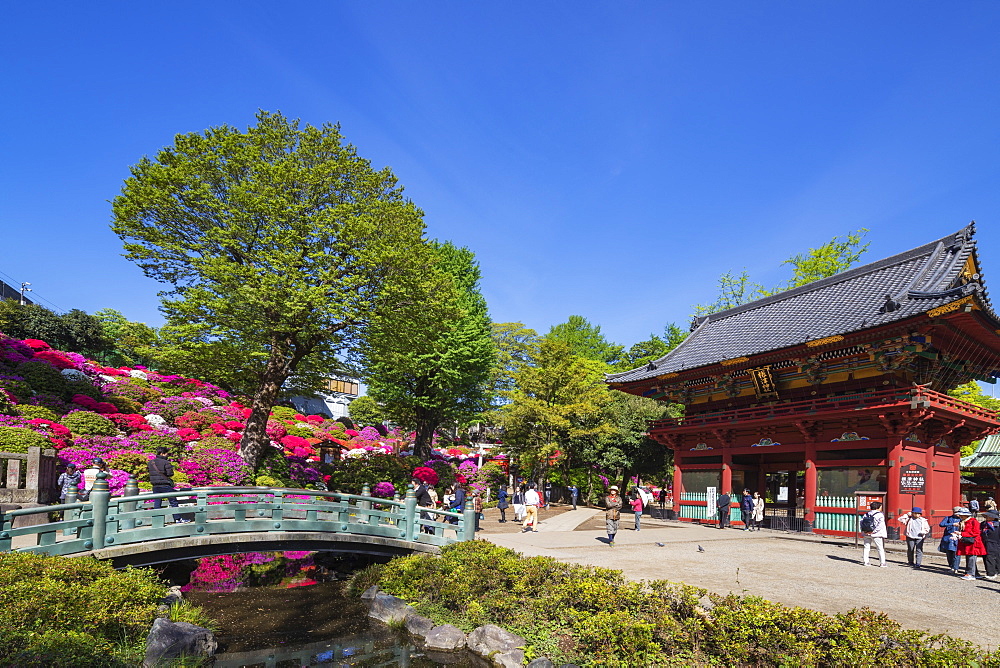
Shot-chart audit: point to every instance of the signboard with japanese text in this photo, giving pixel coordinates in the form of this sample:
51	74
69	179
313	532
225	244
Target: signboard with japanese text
865	499
711	497
763	382
913	479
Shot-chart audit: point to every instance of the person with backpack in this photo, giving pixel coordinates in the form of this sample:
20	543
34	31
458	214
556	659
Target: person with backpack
970	544
874	531
974	506
916	528
502	502
952	526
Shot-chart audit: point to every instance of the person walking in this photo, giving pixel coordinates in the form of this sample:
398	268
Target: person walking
636	504
531	502
990	532
989	504
916	528
518	501
424	500
874	531
612	513
477	506
722	506
161	477
574	492
970	544
758	511
952	526
68	481
662	498
548	493
974	506
746	509
502	502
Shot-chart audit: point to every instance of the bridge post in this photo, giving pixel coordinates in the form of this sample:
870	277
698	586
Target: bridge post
71	497
100	495
410	516
468	522
131	489
364	505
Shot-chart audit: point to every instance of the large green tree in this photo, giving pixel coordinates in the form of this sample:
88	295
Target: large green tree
428	369
586	340
558	403
74	331
653	348
279	243
516	346
132	343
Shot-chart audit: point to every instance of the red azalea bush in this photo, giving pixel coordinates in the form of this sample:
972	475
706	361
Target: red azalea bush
426	475
55	358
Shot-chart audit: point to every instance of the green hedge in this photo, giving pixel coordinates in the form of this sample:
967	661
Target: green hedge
595	617
18	439
57	611
88	423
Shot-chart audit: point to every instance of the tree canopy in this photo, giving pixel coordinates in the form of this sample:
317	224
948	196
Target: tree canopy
74	330
586	340
279	242
428	368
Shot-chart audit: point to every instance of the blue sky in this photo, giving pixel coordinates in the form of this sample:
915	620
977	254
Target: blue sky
602	159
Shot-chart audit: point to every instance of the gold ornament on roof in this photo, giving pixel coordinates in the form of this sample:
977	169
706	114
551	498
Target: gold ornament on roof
822	342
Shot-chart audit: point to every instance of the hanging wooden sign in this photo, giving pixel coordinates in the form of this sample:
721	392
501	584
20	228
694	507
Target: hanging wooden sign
763	382
913	479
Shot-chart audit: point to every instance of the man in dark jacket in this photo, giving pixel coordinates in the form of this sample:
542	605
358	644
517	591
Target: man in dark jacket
990	533
424	501
722	505
161	476
746	509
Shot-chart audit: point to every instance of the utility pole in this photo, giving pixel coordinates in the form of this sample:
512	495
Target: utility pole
24	288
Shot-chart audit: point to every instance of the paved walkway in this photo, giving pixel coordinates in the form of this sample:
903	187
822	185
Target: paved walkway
803	571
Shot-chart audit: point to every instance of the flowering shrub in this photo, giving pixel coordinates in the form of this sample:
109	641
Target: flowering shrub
384	490
426	475
87	423
215	466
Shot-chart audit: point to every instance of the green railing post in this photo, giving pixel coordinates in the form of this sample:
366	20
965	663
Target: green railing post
468	531
364	505
100	495
131	489
410	516
71	497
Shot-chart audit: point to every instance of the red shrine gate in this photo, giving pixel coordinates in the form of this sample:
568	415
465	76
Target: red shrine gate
833	391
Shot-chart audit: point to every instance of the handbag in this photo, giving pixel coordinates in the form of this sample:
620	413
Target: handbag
967	540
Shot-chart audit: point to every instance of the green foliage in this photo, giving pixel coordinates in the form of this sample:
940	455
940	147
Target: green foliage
133	343
644	352
185	611
350	475
74	330
83	387
135	463
124	404
595	617
37	412
366	410
431	364
833	257
516	346
364	579
151	441
17	439
973	393
734	290
56	611
279	242
42	377
7	406
267	481
88	423
584	339
283	413
19	388
558	403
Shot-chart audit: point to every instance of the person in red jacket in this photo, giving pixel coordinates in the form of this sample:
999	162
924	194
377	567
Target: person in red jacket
970	544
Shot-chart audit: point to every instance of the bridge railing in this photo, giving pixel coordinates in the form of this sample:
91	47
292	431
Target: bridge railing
204	511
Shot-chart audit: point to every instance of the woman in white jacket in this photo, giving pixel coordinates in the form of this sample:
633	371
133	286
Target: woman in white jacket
878	533
916	529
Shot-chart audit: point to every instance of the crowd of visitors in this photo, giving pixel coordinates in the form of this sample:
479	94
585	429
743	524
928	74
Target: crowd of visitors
966	533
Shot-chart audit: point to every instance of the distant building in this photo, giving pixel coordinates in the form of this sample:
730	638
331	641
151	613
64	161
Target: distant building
332	401
9	292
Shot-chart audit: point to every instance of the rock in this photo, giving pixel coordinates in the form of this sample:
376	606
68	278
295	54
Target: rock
418	626
369	593
490	639
169	640
512	659
445	637
542	662
706	603
387	608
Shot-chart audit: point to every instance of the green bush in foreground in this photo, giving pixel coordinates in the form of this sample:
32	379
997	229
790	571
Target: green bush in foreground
595	617
57	611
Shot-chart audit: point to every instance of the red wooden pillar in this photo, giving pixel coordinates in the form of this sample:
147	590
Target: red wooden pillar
892	497
678	489
727	473
810	497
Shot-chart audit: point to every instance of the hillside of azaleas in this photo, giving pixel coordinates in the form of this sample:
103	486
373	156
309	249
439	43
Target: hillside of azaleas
86	411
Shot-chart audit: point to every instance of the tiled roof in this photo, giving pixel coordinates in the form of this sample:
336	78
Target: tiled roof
987	456
915	281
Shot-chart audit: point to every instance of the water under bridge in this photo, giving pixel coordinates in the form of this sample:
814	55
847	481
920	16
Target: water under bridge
130	530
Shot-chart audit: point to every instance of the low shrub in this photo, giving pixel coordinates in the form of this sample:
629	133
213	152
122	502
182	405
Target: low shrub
124	404
42	377
595	617
16	439
87	423
56	611
84	387
37	412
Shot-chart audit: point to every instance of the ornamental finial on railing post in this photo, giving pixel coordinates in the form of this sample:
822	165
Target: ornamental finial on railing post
131	489
468	522
100	496
410	515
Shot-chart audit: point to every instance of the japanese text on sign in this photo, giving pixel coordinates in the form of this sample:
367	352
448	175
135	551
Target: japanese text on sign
913	479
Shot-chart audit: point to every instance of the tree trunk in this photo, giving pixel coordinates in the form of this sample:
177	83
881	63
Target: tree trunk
255	438
426	424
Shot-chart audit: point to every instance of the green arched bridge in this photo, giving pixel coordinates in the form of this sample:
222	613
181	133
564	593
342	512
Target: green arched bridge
226	520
